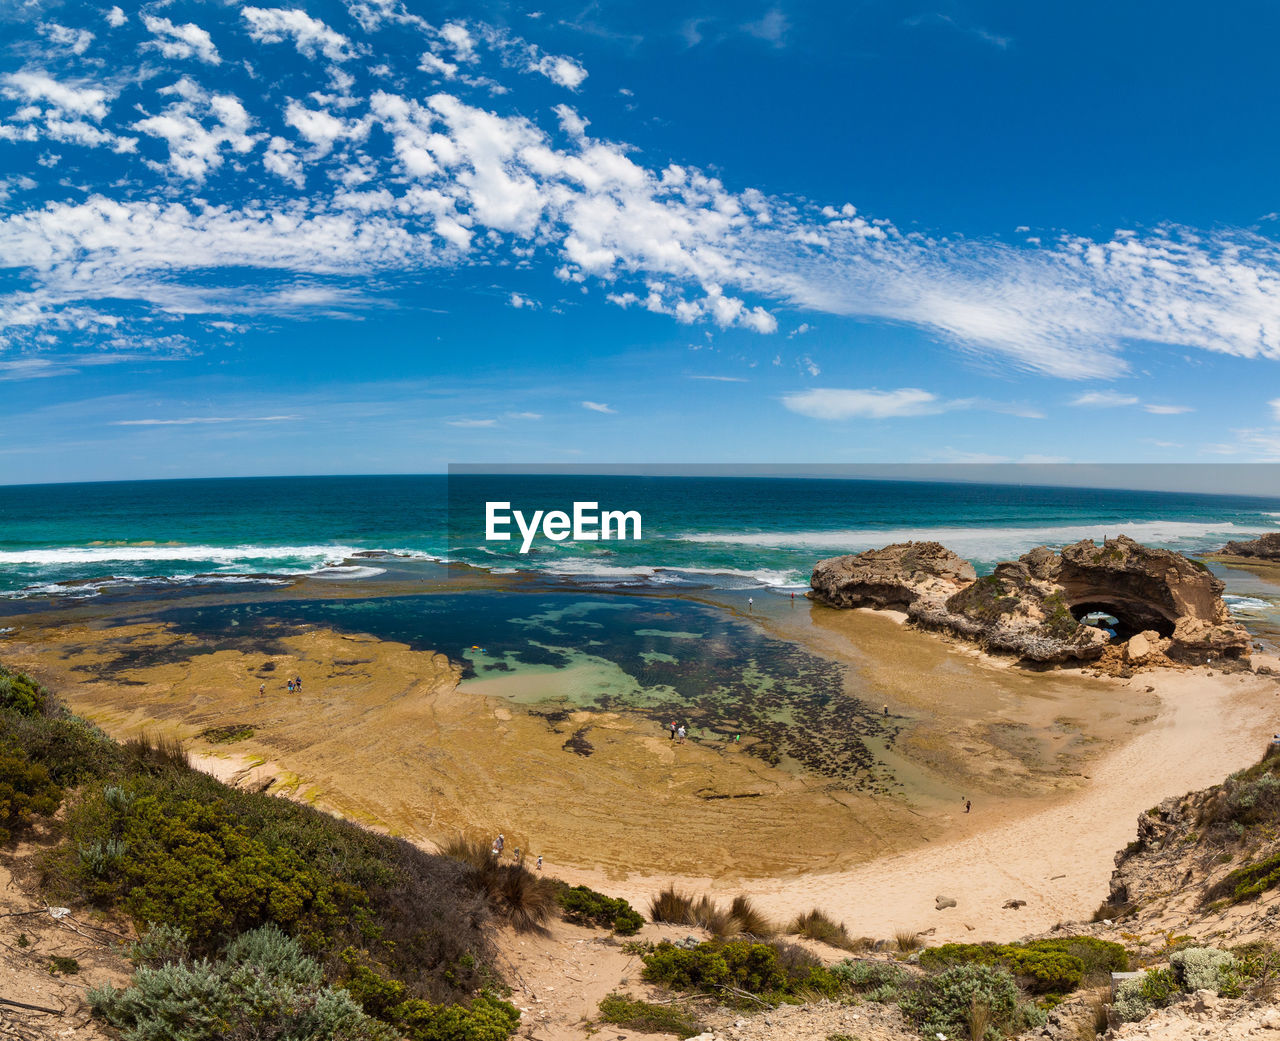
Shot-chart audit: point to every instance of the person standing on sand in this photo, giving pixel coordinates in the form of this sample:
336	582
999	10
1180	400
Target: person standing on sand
290	686
967	805
297	684
262	689
680	733
673	731
539	861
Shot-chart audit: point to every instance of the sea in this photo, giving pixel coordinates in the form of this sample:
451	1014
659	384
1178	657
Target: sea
727	532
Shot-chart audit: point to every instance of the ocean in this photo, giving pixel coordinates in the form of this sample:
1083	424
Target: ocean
80	540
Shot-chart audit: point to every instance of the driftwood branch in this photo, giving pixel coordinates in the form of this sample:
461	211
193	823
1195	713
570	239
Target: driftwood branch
33	1008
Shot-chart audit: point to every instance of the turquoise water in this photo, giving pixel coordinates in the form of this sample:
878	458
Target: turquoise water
727	532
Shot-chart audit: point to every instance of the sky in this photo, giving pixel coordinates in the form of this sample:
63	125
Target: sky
380	236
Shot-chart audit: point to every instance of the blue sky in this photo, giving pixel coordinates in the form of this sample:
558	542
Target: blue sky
375	236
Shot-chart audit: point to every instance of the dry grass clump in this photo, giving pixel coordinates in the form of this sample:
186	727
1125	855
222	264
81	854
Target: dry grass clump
157	753
512	891
818	925
752	919
741	917
907	941
671	906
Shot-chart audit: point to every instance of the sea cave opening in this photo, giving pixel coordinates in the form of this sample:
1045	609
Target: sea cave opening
1120	620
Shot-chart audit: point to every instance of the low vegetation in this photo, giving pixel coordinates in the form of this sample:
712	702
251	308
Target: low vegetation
625	1011
262	911
584	906
817	925
1050	967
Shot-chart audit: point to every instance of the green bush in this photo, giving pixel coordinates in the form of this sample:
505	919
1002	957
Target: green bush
585	906
948	1002
752	967
883	979
1055	966
26	790
21	694
1247	881
487	1019
817	925
625	1011
265	988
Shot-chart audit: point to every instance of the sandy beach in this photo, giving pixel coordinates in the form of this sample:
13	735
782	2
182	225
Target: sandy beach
1057	764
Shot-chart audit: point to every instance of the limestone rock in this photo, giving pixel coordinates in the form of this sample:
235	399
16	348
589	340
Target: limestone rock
1265	548
1029	607
894	577
943	902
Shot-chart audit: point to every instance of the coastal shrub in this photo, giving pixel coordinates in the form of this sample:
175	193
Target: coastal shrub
945	1003
816	925
71	749
26	791
584	906
192	865
777	970
1136	998
712	966
1202	968
1055	966
1248	797
625	1011
874	980
160	944
1244	882
265	988
1130	1004
487	1018
21	694
676	908
214	861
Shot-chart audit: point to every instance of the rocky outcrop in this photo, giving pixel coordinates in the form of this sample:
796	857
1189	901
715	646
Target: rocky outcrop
896	577
1265	548
1169	607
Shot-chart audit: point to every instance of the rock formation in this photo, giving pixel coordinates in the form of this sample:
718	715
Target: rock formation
1169	607
895	577
1265	548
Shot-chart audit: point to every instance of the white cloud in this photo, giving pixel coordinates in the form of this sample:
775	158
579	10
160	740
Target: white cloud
834	403
521	302
194	147
1167	410
463	184
75	40
524	415
181	41
471	422
38	85
1103	399
561	70
310	35
597	406
772	27
116	17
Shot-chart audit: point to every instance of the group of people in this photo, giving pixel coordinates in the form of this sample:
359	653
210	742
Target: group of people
678	733
500	843
294	686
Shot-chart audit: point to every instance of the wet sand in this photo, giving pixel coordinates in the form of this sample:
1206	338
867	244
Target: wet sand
1057	764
